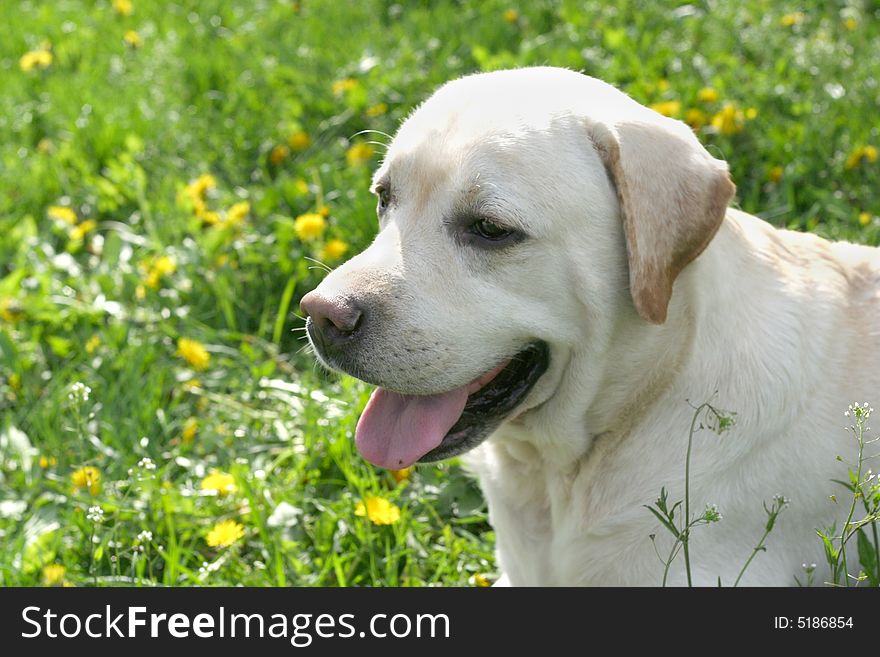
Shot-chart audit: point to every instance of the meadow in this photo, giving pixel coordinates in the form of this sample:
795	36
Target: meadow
175	176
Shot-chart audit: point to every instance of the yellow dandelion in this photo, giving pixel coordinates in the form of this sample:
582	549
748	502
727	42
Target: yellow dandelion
695	118
379	510
133	39
667	107
189	385
309	226
377	110
402	475
301	186
775	174
210	218
867	153
160	266
299	141
35	59
53	574
324	211
729	120
278	154
191	426
48	462
87	477
237	213
77	233
707	95
510	15
481	581
864	218
193	352
333	249
224	534
140	292
360	153
851	23
123	7
791	19
751	113
342	86
62	213
219	482
10	310
662	85
93	343
197	189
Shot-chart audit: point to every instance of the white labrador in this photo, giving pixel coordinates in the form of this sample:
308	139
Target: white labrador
556	281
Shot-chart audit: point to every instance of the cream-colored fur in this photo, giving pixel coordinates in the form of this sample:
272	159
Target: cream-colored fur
650	295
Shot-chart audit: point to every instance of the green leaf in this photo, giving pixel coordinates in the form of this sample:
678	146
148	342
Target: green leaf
868	557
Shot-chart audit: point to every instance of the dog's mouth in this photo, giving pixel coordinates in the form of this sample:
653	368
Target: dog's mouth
396	430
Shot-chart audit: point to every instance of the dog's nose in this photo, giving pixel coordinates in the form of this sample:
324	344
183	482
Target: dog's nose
334	321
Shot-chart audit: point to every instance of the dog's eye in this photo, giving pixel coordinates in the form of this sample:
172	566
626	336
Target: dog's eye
490	231
384	199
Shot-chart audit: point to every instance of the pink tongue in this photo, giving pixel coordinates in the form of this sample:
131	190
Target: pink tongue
397	430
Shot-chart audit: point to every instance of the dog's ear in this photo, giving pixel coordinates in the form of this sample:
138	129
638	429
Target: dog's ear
673	196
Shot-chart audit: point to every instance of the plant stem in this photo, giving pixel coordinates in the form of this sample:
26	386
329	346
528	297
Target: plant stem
687	496
852	508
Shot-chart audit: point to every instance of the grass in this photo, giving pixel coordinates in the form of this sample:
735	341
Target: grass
268	98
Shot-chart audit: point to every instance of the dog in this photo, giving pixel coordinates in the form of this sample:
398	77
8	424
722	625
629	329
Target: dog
557	281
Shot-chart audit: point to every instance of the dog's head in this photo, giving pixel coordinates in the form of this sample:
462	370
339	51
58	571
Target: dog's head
520	213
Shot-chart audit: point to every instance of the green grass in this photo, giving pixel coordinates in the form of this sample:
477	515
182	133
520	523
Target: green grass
117	133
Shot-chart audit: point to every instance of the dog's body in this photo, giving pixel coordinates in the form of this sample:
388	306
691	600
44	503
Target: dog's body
617	253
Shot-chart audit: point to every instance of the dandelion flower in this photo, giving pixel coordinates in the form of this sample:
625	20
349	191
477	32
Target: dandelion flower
53	574
379	510
219	482
667	107
190	427
729	120
866	153
123	7
62	213
193	352
237	213
775	174
401	475
377	110
360	153
160	266
695	118
225	533
10	310
309	226
278	154
707	95
299	141
48	461
87	477
133	39
93	343
864	218
342	86
510	16
301	186
77	233
324	211
481	581
333	249
35	59
851	23
791	19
